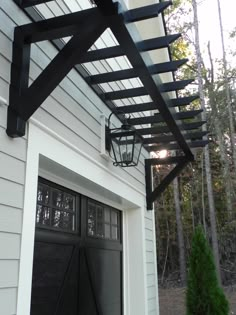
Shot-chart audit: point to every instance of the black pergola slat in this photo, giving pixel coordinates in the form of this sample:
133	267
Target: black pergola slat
157	43
117	51
166	161
125	93
157	118
175	146
175	85
133	73
146	12
159	130
169	66
142	107
165	87
30	3
182	101
167	139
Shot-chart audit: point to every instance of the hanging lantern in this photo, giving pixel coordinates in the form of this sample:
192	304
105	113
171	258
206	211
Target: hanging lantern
124	145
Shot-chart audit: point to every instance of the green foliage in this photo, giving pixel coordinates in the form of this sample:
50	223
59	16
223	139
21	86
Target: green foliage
204	295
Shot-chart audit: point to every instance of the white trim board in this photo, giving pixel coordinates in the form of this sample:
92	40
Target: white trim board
47	148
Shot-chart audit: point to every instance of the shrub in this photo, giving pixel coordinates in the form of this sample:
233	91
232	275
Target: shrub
204	295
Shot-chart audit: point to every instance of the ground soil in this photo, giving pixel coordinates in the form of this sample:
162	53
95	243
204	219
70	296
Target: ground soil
172	301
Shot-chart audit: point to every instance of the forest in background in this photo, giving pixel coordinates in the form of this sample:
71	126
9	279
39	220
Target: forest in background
205	192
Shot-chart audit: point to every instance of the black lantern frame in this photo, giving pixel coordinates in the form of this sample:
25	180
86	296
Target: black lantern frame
124	144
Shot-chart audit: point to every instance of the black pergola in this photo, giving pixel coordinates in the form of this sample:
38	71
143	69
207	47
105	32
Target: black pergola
168	129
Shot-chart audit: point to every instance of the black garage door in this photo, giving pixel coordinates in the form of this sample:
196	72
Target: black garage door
77	256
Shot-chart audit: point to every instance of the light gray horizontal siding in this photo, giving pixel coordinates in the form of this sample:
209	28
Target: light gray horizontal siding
10	219
10	246
12	177
9	273
8	301
11	193
12	168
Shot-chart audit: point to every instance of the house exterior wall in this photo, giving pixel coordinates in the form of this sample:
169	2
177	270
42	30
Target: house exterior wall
70	120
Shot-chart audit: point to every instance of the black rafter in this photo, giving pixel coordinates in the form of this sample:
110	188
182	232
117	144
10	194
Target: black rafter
169	138
158	117
30	3
175	146
165	87
182	101
117	51
175	85
159	130
133	73
147	12
24	99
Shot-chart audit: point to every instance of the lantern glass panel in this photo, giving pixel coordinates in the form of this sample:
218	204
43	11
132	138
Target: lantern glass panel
125	149
137	148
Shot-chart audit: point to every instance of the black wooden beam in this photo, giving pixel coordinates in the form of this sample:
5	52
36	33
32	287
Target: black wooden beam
157	118
30	3
24	100
146	12
117	51
142	107
165	161
149	184
175	146
60	26
159	130
157	43
170	138
167	180
175	85
128	37
125	93
133	73
165	87
182	101
169	66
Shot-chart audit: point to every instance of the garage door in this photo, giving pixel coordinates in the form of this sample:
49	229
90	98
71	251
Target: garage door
77	256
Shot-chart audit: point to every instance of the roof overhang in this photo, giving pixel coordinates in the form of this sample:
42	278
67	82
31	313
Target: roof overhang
166	128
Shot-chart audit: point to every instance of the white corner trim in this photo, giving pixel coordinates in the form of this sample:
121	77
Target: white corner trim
3	101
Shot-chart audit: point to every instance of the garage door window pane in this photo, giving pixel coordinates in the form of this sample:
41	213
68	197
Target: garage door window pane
104	221
55	208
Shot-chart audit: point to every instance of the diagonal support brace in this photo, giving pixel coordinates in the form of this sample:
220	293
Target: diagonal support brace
152	195
25	100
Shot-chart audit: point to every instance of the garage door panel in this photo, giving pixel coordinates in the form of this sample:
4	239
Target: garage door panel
51	262
77	270
105	266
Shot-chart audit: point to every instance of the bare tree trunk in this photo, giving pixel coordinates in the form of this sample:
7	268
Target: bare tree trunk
206	149
181	247
219	134
203	197
227	91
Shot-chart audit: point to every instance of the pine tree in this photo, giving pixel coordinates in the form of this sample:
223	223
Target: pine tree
204	295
